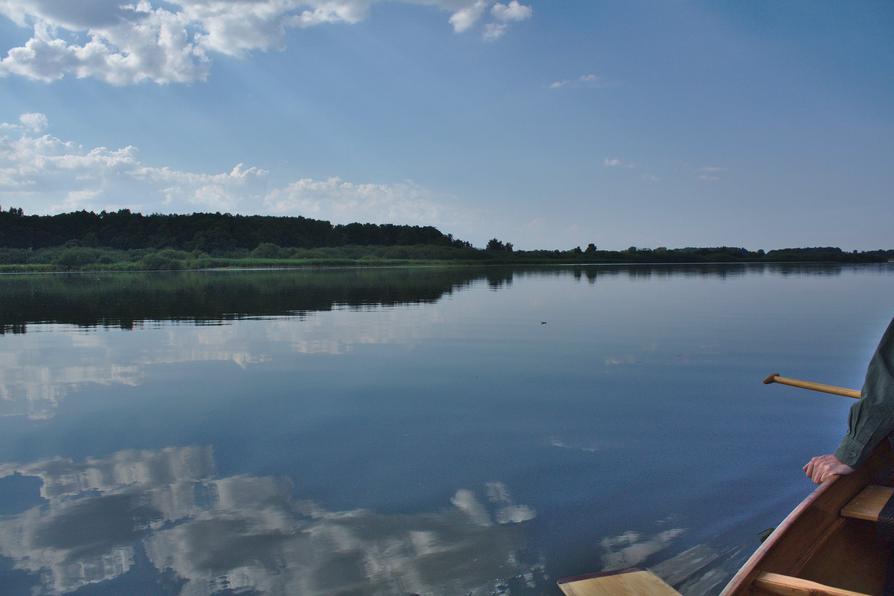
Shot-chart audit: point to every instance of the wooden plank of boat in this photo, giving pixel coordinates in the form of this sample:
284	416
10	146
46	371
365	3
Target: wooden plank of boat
828	540
629	582
774	583
869	503
827	546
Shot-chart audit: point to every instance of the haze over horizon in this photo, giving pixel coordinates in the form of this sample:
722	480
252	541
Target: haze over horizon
549	125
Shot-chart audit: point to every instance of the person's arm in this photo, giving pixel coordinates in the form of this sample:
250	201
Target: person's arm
871	418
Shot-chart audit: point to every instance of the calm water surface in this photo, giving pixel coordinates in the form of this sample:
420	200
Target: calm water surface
433	431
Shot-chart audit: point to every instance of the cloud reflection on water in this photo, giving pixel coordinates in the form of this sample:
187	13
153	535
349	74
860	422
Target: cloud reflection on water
47	351
632	548
696	571
249	532
37	370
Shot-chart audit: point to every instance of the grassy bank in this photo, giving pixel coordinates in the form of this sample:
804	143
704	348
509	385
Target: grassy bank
126	241
82	258
76	258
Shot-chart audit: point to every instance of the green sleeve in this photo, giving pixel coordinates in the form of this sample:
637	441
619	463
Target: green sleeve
872	417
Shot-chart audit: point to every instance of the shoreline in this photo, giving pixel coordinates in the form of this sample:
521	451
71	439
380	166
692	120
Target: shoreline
326	264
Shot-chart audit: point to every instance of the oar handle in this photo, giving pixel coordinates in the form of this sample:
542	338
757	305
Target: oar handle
843	391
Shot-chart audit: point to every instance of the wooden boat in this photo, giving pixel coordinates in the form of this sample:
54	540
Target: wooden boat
629	582
827	546
828	543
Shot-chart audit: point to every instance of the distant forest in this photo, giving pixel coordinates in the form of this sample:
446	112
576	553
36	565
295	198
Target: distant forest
123	240
207	232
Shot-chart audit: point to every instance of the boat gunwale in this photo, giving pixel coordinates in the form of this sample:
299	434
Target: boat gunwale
746	573
742	580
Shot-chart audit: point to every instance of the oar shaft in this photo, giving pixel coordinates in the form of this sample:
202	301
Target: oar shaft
822	387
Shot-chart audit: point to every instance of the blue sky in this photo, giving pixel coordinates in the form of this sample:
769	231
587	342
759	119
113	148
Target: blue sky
547	124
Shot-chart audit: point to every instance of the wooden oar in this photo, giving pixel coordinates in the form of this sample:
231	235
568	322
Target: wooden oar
822	387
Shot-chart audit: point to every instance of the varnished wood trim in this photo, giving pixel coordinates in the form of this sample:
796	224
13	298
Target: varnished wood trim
629	583
869	503
821	387
818	545
786	585
776	552
577	578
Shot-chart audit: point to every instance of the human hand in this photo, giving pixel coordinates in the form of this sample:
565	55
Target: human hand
822	467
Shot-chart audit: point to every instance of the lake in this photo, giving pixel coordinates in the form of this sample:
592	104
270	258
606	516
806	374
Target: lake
414	430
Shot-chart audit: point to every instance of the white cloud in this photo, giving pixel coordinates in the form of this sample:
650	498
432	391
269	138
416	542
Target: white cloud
51	174
614	162
34	121
514	11
710	173
144	44
584	80
171	41
46	174
342	201
465	18
494	31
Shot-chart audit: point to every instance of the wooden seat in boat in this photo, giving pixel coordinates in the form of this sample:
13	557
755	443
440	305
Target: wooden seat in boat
629	582
827	546
868	503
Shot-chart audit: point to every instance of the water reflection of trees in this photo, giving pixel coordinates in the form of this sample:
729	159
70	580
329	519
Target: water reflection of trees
636	272
203	534
126	299
642	272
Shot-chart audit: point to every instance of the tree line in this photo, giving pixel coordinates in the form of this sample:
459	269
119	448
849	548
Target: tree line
207	232
126	240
